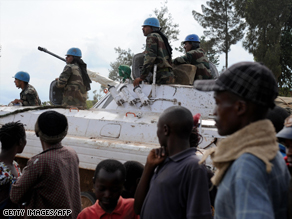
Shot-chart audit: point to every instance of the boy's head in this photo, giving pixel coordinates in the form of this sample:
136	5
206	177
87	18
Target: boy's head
51	127
108	182
12	134
134	172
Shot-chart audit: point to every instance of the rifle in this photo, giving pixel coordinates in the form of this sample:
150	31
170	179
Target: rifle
45	50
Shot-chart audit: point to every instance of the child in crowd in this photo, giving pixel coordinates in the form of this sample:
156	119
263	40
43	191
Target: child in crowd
13	141
51	178
134	172
108	182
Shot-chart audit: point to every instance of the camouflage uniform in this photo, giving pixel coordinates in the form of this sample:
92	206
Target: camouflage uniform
74	90
30	96
156	53
198	58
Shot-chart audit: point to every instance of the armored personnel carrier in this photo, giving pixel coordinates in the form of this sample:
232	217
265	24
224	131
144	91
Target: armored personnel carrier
121	125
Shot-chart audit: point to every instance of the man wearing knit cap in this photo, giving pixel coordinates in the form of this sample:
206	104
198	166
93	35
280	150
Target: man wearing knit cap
51	179
251	174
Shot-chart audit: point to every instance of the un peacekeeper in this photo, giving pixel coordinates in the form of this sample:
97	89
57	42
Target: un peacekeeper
195	56
28	95
74	79
158	51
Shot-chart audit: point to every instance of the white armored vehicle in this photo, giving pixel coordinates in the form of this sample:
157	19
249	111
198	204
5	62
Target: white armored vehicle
121	125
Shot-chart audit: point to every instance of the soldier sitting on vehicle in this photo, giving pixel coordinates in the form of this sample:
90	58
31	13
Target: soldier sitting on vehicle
195	56
74	79
158	51
28	95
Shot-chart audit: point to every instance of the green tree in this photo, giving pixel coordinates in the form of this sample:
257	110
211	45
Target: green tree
96	97
285	79
224	26
46	103
169	28
125	57
265	21
208	47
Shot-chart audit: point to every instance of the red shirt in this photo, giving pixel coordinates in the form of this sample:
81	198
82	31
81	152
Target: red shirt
123	210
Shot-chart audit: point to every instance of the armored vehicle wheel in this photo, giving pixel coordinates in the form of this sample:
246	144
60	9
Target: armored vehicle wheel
87	199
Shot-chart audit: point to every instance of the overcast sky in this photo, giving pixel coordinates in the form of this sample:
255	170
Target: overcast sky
96	27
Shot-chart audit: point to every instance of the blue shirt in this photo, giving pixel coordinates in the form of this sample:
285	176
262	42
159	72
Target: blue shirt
178	189
248	191
282	149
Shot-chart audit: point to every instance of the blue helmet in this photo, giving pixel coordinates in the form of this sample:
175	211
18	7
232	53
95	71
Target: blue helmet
152	21
22	76
192	38
74	52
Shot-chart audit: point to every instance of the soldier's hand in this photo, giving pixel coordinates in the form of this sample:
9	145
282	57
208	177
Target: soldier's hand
57	79
137	81
156	156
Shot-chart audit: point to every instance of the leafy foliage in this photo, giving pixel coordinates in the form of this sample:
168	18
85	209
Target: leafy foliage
96	97
169	28
266	21
285	79
208	47
125	57
224	26
46	103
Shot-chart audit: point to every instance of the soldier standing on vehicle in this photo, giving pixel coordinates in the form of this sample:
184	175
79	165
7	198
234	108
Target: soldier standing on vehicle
74	79
158	51
28	95
195	56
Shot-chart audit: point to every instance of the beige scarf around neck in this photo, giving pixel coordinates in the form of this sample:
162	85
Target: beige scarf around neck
258	138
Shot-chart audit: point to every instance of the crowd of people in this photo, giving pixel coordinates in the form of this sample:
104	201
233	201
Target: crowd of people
252	177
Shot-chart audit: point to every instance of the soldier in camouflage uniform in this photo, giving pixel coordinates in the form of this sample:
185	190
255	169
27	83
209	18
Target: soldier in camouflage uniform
158	51
71	79
195	56
28	95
